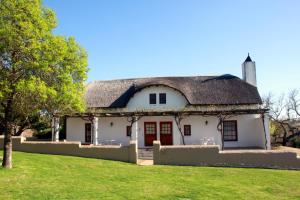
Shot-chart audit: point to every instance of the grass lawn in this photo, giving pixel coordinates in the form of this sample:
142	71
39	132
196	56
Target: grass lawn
37	176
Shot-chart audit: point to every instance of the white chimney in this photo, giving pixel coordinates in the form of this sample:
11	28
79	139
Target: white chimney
249	71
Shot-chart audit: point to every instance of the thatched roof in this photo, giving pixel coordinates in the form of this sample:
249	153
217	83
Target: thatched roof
198	90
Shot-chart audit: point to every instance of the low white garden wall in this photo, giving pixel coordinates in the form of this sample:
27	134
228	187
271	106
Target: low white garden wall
119	153
211	156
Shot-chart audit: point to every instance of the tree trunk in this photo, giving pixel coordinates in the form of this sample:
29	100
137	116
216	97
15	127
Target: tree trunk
220	128
8	130
178	123
284	135
182	137
222	135
7	153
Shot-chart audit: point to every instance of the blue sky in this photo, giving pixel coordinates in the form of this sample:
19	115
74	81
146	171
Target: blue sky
142	38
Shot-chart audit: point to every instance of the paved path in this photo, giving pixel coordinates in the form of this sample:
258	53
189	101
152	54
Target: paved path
145	162
283	148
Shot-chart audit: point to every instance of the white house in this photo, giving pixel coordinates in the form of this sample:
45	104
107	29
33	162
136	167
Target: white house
223	110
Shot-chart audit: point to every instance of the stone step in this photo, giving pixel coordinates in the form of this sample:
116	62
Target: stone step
145	158
145	154
145	162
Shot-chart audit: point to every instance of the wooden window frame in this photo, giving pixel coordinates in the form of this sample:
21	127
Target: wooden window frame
166	122
236	131
145	124
152	98
184	130
128	131
162	98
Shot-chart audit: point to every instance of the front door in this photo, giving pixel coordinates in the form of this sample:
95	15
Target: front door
88	132
150	132
166	133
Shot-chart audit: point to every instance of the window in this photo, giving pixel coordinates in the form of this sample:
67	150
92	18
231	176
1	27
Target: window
165	128
150	128
152	98
162	98
187	130
230	130
128	131
88	132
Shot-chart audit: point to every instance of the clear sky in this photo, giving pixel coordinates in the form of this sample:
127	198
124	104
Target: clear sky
142	38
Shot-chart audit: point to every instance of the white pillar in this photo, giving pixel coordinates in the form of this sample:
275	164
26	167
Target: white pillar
135	131
55	129
267	130
95	131
52	127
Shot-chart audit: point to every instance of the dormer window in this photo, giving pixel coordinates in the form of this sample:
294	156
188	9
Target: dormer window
152	98
162	98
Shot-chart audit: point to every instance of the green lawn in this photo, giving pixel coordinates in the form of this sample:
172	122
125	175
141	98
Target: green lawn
37	176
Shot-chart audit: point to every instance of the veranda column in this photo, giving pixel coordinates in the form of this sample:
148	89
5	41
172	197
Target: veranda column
135	130
267	130
55	129
95	131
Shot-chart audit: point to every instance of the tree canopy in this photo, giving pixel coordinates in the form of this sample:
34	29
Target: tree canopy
284	111
39	71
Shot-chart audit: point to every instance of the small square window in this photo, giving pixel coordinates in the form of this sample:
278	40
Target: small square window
152	98
162	98
128	131
187	130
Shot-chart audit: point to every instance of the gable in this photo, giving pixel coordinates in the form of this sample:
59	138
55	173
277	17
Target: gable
141	99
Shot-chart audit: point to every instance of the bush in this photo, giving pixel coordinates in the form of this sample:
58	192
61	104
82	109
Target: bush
44	134
296	141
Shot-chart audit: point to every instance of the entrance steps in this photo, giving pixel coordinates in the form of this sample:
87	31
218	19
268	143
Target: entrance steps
145	154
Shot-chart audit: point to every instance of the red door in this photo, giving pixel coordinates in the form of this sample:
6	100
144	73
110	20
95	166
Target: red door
150	133
166	133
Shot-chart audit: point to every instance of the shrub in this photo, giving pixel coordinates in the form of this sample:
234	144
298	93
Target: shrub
44	133
296	141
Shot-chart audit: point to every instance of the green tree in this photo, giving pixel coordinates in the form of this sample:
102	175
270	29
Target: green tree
39	71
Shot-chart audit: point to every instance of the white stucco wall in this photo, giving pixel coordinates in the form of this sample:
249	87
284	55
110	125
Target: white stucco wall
113	128
140	101
249	127
75	129
109	128
250	130
200	130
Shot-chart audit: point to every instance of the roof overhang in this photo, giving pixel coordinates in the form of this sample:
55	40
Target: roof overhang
189	110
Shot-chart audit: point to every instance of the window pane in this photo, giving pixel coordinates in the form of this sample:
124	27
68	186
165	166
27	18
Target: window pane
150	128
230	130
166	128
162	98
187	129
128	131
152	98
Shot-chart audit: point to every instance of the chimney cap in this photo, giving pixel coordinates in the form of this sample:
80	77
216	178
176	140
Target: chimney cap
248	59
